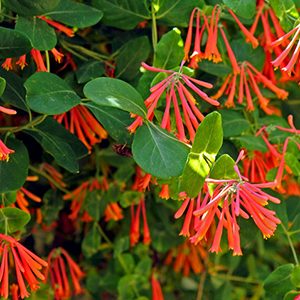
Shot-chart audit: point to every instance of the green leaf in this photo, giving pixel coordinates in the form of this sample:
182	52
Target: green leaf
233	123
94	205
29	7
207	143
89	70
9	198
115	93
130	57
292	161
52	204
14	219
75	14
13	43
219	69
244	52
295	277
251	142
157	152
245	8
279	281
176	13
144	266
129	198
114	120
291	295
2	85
169	50
122	14
209	135
14	92
59	143
223	168
14	172
92	241
49	94
40	34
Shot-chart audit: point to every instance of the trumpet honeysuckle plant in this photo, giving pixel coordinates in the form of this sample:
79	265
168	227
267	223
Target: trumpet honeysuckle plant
149	149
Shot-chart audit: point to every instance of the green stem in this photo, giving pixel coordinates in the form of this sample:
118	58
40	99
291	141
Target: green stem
291	244
103	234
31	124
48	177
236	278
154	26
201	286
47	60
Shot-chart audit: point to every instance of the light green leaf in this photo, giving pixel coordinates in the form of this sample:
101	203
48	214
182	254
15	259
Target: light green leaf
13	219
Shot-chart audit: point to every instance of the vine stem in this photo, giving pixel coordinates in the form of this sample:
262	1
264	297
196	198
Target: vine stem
291	244
201	286
47	60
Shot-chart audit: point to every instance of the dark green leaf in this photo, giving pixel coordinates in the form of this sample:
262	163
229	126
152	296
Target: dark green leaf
169	50
40	34
245	8
13	43
130	57
9	198
14	92
114	120
89	70
94	205
251	142
29	7
76	14
220	69
14	172
49	94
92	241
244	52
157	152
58	142
2	85
13	219
122	14
279	281
233	123
176	13
115	93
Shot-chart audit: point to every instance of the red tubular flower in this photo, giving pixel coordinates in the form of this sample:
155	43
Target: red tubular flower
62	28
57	55
81	122
157	293
249	78
113	212
5	152
27	266
174	85
61	265
231	199
55	175
164	193
249	36
186	258
278	62
134	234
22	61
38	59
7	111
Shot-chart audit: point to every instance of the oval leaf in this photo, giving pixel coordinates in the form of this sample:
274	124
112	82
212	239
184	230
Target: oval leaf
13	43
75	14
13	219
157	152
14	172
115	93
40	34
49	94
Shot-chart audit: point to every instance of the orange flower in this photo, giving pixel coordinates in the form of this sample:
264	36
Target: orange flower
80	121
57	55
67	31
113	212
7	65
61	265
186	258
27	266
157	293
22	61
38	59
